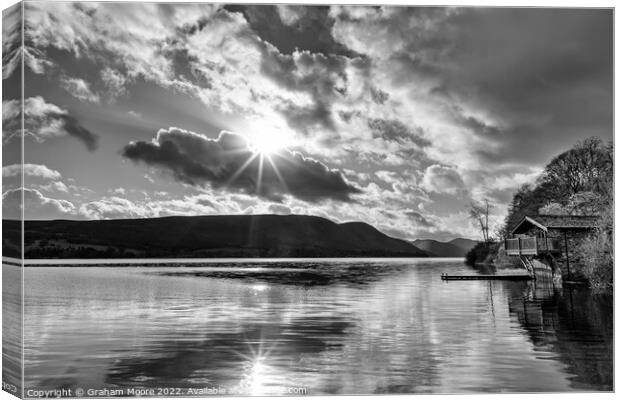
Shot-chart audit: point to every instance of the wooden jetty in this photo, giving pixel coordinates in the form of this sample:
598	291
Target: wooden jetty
518	277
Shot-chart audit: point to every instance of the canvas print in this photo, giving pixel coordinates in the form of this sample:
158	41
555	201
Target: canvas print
210	199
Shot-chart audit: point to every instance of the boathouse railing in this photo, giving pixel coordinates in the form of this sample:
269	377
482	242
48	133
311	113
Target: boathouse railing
532	245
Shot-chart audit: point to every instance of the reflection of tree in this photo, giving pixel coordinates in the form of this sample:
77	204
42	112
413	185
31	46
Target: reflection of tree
572	323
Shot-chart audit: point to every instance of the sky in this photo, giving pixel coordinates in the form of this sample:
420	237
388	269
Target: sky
396	116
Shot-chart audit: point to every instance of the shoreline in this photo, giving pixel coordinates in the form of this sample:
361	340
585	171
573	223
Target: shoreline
168	262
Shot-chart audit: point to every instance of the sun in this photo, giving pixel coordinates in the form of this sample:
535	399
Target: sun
269	142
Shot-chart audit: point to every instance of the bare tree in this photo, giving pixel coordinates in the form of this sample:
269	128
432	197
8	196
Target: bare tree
479	214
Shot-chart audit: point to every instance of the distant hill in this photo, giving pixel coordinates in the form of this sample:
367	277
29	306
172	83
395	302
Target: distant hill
465	244
454	248
209	236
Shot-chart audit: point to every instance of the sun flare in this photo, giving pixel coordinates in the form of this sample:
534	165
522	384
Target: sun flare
268	143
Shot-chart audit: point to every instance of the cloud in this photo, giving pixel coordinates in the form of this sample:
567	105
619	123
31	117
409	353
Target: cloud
42	121
115	81
418	219
435	95
323	77
11	40
442	179
54	186
292	27
113	208
34	170
36	205
453	225
228	162
279	209
395	130
80	89
545	84
290	14
14	51
226	59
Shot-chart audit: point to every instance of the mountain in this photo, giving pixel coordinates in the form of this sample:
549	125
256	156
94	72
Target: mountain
465	244
209	236
454	248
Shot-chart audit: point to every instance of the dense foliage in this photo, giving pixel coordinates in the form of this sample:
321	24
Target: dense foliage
596	253
577	182
481	253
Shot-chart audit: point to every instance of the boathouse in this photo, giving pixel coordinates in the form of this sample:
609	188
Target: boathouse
550	239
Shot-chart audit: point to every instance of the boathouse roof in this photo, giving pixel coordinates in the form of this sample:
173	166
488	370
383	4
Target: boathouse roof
558	222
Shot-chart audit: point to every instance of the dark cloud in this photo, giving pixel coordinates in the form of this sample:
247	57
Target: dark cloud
73	127
311	29
346	116
546	73
305	119
378	95
559	48
42	121
478	127
418	219
323	77
396	131
388	214
536	74
228	162
443	179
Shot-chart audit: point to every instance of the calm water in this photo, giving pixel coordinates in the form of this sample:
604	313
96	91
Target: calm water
326	327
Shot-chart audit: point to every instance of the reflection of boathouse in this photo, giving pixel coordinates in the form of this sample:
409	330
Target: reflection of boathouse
548	240
571	323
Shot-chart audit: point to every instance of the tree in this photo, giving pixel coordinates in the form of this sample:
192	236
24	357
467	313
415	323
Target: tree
578	181
587	167
581	203
526	201
597	253
479	214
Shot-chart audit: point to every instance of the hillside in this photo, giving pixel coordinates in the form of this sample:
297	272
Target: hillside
209	236
465	244
454	248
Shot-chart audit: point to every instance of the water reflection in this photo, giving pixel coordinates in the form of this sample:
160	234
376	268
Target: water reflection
11	328
218	358
348	327
572	323
300	274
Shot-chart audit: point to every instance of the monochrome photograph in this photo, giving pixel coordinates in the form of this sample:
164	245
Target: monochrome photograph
210	199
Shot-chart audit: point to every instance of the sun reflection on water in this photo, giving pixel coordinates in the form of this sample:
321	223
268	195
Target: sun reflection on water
258	375
259	287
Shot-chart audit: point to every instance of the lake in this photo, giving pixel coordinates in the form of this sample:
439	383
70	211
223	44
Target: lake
348	326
